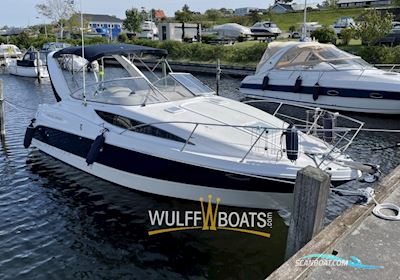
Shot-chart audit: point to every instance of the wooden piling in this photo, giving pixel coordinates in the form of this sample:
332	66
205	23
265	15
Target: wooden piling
311	192
2	123
218	76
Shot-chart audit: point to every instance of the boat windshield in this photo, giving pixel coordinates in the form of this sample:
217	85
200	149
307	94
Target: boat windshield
116	80
320	58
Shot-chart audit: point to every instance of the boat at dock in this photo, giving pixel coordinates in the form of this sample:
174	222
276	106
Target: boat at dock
171	135
32	65
321	75
7	53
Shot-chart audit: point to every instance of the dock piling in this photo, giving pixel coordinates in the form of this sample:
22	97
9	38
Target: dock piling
310	197
218	76
2	123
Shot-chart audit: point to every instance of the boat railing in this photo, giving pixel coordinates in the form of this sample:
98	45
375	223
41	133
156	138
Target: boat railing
314	120
265	138
388	67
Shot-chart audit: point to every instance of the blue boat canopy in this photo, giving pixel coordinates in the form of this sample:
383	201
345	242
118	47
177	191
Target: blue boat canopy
94	52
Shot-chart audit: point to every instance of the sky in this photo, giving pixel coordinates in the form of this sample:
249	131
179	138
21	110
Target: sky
23	13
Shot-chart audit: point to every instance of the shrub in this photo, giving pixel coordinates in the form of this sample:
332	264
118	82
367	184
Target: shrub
208	37
123	38
346	35
324	34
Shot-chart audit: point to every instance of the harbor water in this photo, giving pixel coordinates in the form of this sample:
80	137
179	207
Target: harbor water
60	223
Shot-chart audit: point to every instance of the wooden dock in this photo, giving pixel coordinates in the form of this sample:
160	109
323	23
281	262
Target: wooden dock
357	232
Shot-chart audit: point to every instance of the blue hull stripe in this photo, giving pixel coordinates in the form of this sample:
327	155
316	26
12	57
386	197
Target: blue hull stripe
343	92
156	167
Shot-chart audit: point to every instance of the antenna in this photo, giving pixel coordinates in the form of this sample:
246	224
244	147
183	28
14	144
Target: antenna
305	21
83	55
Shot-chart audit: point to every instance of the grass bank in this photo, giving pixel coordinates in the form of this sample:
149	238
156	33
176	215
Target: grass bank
284	21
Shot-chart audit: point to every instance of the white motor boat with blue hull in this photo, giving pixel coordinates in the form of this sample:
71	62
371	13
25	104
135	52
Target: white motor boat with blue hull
174	136
320	75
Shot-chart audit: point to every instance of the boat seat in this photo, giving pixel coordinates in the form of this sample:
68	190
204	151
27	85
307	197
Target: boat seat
119	95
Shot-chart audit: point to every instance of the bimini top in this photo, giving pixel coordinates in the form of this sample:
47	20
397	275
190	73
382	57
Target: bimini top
94	52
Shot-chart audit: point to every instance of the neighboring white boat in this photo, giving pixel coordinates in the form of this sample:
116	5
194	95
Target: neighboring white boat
77	63
232	30
54	46
175	137
343	22
265	28
32	65
149	30
8	53
321	75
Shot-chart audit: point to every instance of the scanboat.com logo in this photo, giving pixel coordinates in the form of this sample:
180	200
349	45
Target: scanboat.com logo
210	219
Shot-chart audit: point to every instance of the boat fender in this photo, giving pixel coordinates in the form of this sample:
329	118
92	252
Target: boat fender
328	121
265	83
297	84
317	91
292	143
95	149
30	131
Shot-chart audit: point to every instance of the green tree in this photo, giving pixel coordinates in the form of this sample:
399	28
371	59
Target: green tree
396	3
184	15
331	4
133	21
292	28
73	24
374	27
22	40
324	34
58	11
213	14
255	16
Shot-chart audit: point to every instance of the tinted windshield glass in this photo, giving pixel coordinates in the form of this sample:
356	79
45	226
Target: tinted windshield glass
320	58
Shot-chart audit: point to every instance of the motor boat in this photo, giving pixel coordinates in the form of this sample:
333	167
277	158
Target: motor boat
171	135
32	65
321	75
342	23
54	46
265	29
232	31
149	30
7	53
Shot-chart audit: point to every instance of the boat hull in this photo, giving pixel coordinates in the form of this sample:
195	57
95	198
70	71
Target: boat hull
351	104
30	72
230	197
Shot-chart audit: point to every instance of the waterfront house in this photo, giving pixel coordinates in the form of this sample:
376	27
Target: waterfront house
362	3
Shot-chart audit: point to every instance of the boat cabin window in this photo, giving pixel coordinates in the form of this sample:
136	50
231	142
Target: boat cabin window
127	123
320	59
30	56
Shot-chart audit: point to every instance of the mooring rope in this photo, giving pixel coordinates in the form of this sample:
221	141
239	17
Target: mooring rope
369	194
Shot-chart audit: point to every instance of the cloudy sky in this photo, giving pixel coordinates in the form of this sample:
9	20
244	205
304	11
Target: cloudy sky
23	12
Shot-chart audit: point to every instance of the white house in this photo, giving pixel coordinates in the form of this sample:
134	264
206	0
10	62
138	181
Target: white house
280	8
362	3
